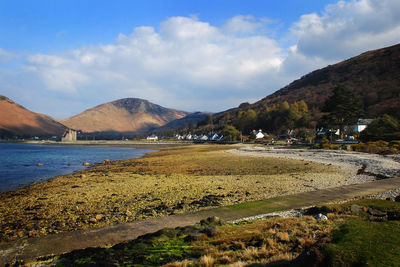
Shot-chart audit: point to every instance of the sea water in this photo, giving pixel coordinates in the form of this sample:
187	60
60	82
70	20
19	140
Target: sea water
19	162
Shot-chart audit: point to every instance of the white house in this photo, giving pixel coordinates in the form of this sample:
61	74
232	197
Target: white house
178	137
260	134
361	125
214	137
152	137
203	138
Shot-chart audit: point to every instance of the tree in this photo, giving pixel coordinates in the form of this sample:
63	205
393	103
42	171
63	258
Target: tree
246	120
383	128
231	133
343	108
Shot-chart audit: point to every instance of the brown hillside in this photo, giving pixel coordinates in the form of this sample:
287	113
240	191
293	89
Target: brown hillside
374	76
128	115
16	120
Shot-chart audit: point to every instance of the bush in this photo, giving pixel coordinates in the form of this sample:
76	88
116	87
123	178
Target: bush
325	144
378	147
231	133
382	128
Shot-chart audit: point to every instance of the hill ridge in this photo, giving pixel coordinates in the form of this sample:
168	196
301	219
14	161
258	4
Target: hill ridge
125	116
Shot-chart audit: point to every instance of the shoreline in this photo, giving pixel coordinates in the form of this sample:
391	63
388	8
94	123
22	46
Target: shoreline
88	168
116	143
171	181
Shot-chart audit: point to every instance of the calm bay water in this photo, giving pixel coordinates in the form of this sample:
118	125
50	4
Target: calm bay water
18	162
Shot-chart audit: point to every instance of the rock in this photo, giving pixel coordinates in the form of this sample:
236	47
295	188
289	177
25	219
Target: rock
397	199
393	216
321	217
128	213
194	237
99	217
356	209
212	221
86	164
377	215
83	176
211	230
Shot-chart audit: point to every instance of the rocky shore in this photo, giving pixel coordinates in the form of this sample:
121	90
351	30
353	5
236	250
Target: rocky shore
171	181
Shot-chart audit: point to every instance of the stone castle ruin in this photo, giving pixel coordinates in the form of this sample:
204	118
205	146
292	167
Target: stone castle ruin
69	135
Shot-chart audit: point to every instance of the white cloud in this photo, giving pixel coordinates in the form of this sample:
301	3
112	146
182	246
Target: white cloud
5	56
192	65
346	29
187	59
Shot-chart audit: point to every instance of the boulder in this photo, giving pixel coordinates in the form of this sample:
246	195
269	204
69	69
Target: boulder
321	217
212	221
356	209
211	230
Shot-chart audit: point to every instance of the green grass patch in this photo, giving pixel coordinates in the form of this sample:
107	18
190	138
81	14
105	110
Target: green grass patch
364	243
153	250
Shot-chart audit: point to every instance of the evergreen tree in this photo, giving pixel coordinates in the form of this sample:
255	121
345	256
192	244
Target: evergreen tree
383	128
343	108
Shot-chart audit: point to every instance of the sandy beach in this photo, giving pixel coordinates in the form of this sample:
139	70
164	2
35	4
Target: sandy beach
177	180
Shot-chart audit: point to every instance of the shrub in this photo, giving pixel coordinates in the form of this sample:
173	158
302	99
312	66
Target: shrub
325	144
378	147
382	128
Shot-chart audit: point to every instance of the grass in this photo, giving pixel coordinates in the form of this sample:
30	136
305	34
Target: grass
345	239
363	243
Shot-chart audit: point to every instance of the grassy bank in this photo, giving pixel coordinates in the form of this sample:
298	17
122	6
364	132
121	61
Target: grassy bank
173	180
358	233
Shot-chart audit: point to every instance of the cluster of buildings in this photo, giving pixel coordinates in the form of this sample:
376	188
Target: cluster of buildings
288	135
194	137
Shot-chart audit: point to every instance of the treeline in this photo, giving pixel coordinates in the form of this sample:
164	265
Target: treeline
274	119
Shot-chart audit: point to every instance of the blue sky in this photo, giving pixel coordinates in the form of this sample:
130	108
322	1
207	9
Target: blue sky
62	57
51	26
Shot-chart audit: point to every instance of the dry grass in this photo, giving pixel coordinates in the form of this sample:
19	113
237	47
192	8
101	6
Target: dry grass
254	243
175	180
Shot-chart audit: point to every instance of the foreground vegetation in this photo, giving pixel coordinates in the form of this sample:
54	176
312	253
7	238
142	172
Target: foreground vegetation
171	181
355	234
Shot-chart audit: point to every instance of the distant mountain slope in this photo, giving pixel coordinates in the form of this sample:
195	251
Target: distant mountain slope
374	76
183	122
15	120
128	116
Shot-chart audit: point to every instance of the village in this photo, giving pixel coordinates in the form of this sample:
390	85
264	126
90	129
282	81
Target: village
287	136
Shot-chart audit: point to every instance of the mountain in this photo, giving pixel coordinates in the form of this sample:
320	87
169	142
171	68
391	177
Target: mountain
124	116
193	118
15	120
373	76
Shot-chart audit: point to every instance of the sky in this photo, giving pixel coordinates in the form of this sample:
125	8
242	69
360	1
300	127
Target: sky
63	57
